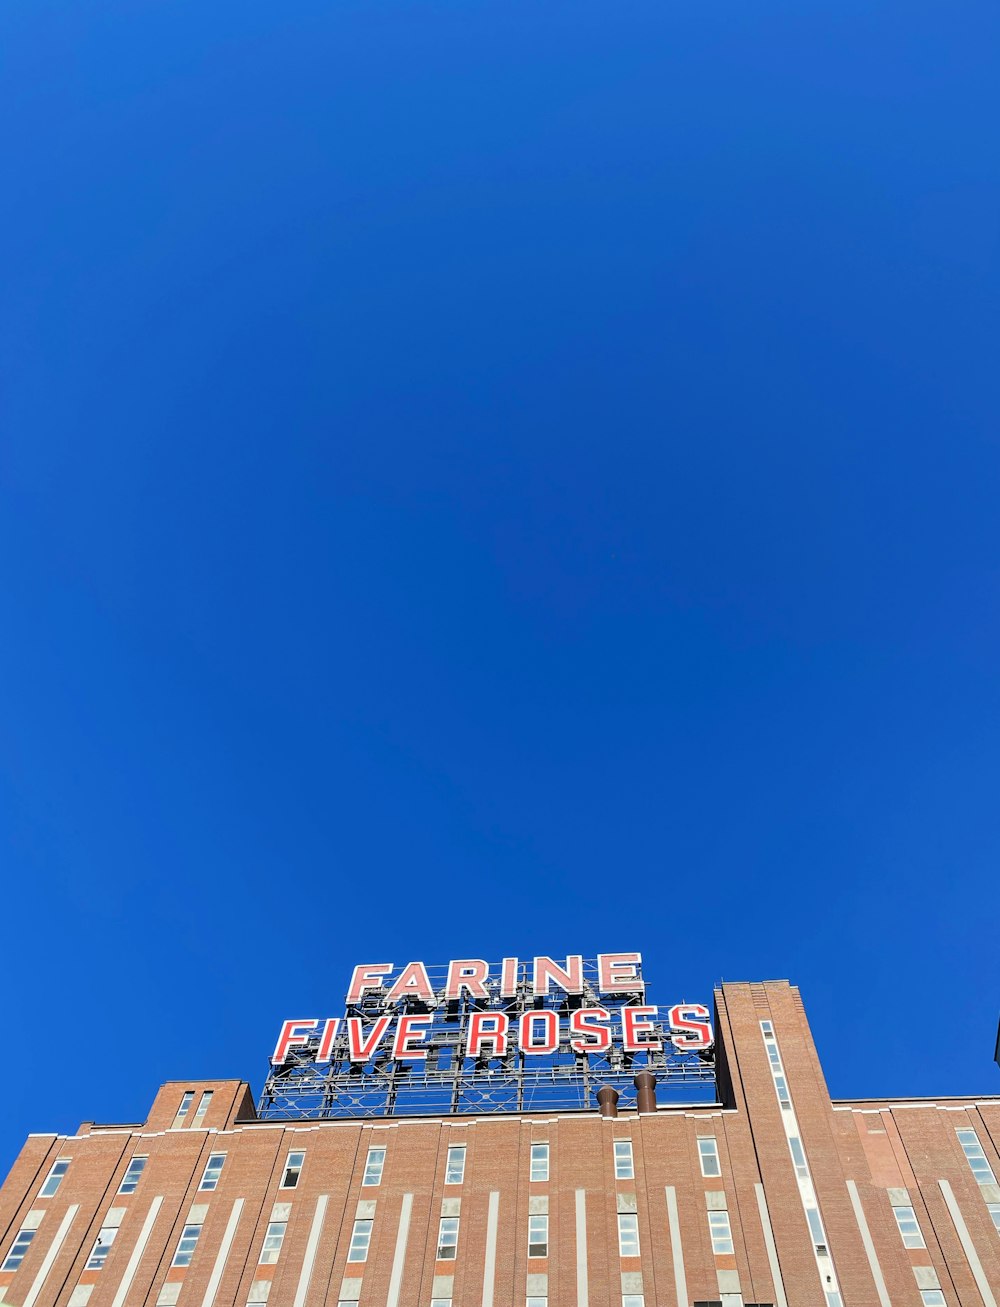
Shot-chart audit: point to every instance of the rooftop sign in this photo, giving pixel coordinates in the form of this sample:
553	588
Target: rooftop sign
476	1036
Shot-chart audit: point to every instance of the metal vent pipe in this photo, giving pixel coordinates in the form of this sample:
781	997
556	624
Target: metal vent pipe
607	1099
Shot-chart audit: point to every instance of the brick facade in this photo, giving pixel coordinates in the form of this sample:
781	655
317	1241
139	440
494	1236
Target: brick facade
850	1163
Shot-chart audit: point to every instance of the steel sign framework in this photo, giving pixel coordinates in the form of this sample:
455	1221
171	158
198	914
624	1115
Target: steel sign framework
448	1082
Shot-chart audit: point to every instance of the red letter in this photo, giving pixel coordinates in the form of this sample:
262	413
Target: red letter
696	1022
526	1032
411	1027
571	980
618	973
635	1024
487	1028
508	978
362	1049
467	973
413	982
289	1039
326	1043
367	977
597	1039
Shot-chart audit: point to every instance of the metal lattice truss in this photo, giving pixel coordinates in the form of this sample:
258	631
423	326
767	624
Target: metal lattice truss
448	1082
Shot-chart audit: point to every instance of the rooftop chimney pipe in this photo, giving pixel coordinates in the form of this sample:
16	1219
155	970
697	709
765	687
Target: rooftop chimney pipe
645	1086
607	1099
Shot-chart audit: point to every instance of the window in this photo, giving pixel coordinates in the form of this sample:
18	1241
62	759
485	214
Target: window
721	1232
833	1298
130	1180
906	1219
708	1155
186	1245
816	1229
731	1299
213	1169
973	1151
440	1302
536	1302
99	1253
628	1234
633	1300
272	1242
361	1237
932	1297
799	1157
293	1169
624	1166
447	1238
184	1108
538	1236
454	1172
374	1165
539	1161
54	1178
19	1247
206	1099
782	1088
994	1211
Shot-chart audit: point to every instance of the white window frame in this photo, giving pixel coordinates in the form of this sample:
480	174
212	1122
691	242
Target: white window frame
182	1111
18	1250
447	1248
106	1236
535	1301
994	1211
633	1300
274	1237
628	1234
133	1173
374	1166
912	1237
55	1177
454	1166
974	1153
213	1170
292	1168
204	1103
440	1302
361	1239
720	1229
932	1298
798	1157
624	1159
538	1234
708	1155
539	1167
816	1231
190	1234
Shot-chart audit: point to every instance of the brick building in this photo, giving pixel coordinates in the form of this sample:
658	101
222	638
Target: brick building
771	1194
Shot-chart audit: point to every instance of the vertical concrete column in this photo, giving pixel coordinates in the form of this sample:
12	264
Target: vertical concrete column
51	1255
399	1256
309	1261
122	1292
582	1283
490	1269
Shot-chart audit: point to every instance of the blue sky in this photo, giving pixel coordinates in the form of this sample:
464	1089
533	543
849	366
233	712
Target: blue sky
486	478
